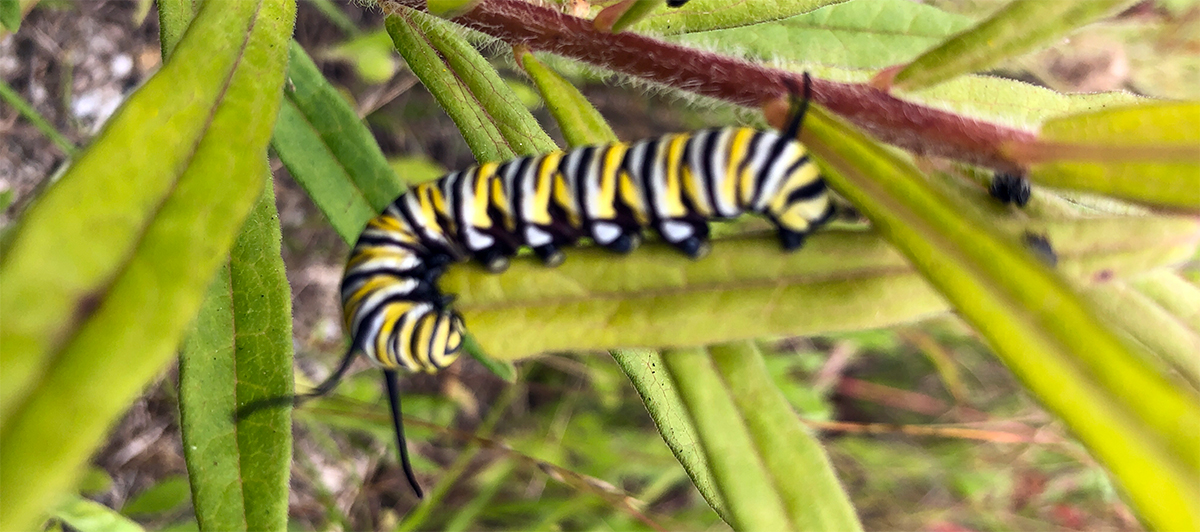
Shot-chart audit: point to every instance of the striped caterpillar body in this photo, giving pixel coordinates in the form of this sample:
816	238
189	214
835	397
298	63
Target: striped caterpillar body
399	319
675	184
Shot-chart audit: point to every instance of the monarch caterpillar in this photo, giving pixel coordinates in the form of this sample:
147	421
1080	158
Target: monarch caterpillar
398	318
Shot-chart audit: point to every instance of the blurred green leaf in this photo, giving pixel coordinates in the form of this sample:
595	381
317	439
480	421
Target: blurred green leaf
633	12
854	34
1154	327
371	55
241	352
709	15
96	480
1144	429
771	474
450	8
100	287
579	121
10	15
14	100
90	516
1019	27
166	495
1146	153
416	169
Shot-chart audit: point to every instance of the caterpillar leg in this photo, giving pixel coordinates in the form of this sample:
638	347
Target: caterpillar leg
688	236
791	240
615	237
494	258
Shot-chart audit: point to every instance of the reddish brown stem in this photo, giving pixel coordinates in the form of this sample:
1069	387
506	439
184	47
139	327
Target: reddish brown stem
917	128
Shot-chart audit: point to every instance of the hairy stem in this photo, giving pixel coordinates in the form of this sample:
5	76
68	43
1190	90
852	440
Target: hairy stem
920	129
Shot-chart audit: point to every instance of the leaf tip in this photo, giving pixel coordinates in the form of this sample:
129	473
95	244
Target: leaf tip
886	78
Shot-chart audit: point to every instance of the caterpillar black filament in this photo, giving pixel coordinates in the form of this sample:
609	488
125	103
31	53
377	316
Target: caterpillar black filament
675	184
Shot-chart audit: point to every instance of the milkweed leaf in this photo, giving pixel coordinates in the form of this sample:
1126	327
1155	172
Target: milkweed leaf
181	164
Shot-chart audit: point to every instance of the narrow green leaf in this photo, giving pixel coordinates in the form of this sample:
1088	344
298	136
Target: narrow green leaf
90	516
855	34
164	496
482	135
319	171
240	352
579	121
799	470
1145	153
15	100
1021	26
709	15
747	288
646	370
518	127
344	137
741	476
1144	429
100	287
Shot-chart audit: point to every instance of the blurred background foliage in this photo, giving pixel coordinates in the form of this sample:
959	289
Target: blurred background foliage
925	428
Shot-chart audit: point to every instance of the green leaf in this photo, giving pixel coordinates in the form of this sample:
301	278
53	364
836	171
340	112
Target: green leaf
635	11
1154	327
771	474
99	287
1145	430
450	8
579	121
416	169
1144	153
239	353
166	495
329	135
1020	27
90	516
746	288
647	371
708	15
855	34
9	96
518	127
174	17
10	15
481	133
1173	294
370	54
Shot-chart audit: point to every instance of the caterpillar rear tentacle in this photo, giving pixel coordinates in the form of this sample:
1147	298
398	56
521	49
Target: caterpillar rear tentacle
675	184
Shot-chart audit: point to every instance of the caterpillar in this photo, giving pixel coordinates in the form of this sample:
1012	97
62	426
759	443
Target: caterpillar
398	318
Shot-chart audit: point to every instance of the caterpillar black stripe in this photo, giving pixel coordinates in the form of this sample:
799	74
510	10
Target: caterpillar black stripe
674	184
